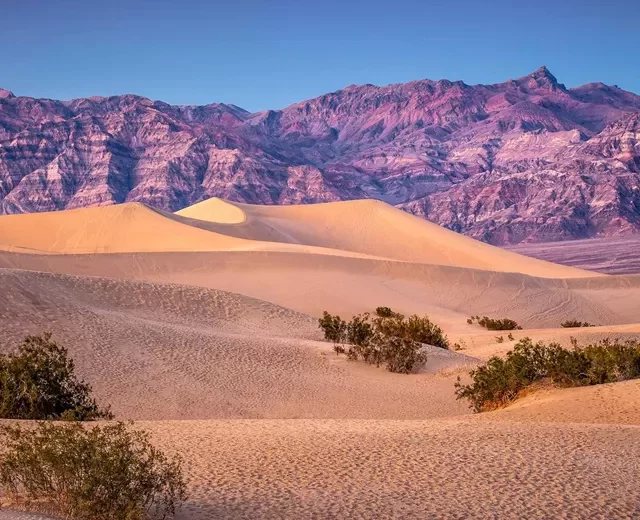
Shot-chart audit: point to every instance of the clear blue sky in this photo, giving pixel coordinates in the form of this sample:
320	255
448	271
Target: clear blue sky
271	53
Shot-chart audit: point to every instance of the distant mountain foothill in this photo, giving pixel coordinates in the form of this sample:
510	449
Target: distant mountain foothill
527	160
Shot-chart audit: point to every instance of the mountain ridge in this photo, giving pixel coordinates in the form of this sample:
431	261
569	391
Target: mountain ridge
525	160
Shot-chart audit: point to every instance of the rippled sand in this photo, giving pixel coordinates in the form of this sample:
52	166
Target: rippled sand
202	326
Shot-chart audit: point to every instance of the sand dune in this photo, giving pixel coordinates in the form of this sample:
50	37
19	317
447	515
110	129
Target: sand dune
616	403
313	283
157	351
124	228
368	227
356	228
202	326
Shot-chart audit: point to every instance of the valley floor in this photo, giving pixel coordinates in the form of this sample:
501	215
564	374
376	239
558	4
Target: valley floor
610	255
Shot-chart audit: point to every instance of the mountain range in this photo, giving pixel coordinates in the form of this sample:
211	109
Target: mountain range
527	160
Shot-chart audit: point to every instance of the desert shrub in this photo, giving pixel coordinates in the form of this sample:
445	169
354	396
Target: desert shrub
415	328
339	348
109	472
510	337
334	327
575	323
499	339
495	324
402	354
384	312
39	382
461	345
612	361
499	381
389	338
359	330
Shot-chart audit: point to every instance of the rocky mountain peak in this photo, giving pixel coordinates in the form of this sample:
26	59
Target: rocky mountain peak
541	79
4	94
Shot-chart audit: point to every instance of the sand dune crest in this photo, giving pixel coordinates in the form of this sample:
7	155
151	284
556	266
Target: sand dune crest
363	228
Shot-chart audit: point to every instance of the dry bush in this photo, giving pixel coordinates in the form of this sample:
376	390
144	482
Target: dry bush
109	472
389	338
39	382
384	312
494	324
334	328
575	323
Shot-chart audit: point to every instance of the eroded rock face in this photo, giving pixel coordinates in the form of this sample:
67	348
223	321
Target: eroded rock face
525	160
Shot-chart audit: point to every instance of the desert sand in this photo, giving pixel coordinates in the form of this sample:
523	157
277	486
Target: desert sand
202	327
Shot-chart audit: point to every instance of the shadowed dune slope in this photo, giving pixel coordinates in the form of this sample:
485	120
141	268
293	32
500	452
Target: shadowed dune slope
160	351
313	283
356	228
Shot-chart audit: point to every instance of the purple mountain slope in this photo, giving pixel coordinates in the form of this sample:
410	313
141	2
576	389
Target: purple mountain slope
522	161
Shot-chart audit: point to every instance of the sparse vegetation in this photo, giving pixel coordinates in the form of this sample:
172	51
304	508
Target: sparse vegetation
39	382
384	312
109	472
499	339
510	337
461	345
389	338
494	324
334	328
500	381
575	323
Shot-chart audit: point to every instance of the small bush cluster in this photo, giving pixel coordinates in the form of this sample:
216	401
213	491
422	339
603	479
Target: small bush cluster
494	324
575	323
38	382
109	472
384	312
389	338
334	328
462	345
500	381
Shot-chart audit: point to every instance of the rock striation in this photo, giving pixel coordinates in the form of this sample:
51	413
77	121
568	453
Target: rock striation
526	160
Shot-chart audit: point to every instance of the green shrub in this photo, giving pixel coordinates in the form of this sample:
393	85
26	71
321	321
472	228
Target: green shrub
415	328
499	381
495	324
384	312
401	354
575	323
389	339
38	382
109	472
359	330
334	327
